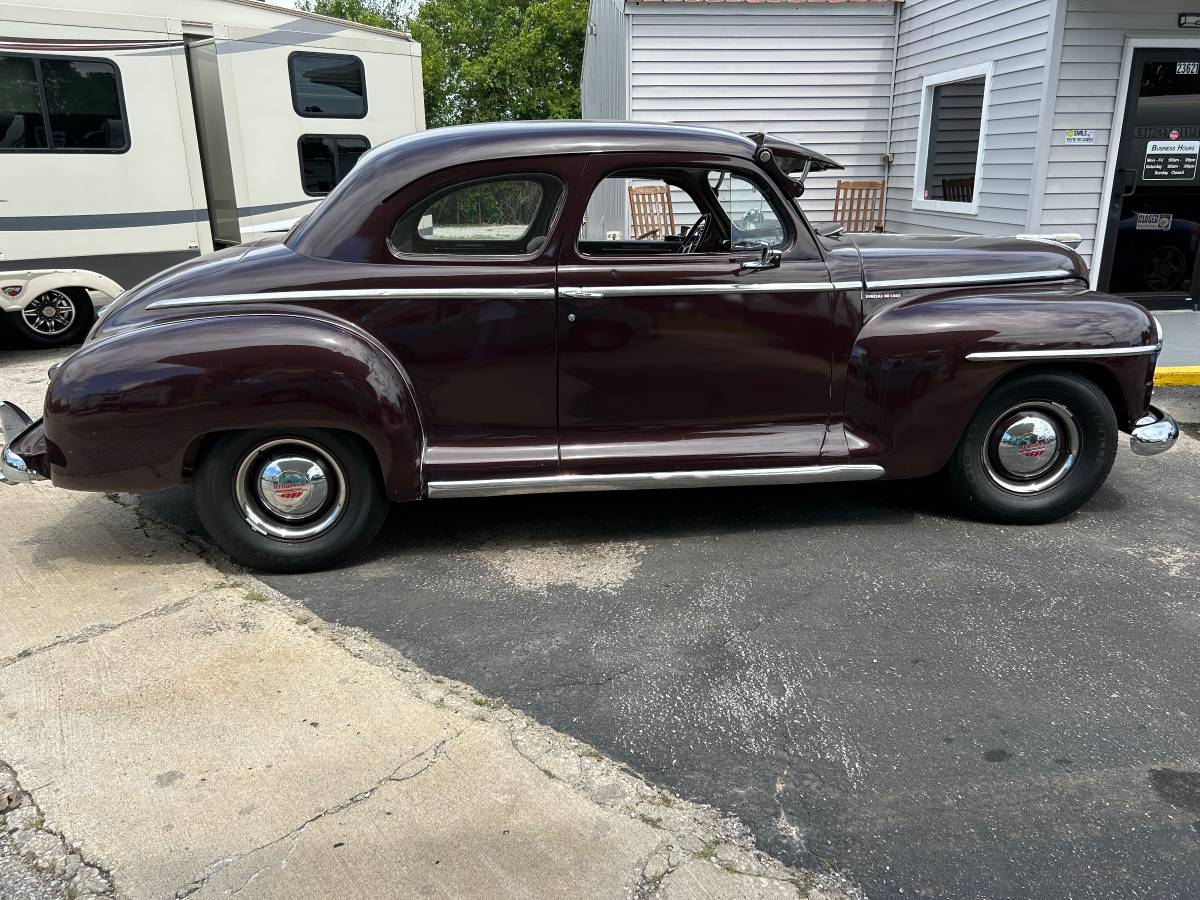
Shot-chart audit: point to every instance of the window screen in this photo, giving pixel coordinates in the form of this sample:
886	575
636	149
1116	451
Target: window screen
510	215
955	121
77	108
328	86
325	159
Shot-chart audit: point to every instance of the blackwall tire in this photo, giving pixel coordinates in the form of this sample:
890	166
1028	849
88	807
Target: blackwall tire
289	501
75	318
1037	449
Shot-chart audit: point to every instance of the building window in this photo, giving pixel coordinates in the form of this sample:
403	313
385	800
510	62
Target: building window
328	86
951	137
510	215
61	104
325	159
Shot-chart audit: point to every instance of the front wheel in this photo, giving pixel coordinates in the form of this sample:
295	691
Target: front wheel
289	501
54	318
1038	448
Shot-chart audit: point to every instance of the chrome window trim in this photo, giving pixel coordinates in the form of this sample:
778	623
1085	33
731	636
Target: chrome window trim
360	294
1047	275
994	355
629	481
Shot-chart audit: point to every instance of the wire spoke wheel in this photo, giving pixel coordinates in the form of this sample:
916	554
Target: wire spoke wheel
50	314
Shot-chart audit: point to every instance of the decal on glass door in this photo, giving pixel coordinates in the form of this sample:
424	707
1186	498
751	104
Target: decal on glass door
1171	160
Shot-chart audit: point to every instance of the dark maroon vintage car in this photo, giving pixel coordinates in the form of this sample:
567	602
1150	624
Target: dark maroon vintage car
472	313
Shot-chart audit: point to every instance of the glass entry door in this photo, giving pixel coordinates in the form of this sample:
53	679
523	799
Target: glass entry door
1153	234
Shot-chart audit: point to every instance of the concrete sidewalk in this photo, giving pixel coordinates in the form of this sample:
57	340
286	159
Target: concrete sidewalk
1179	362
182	731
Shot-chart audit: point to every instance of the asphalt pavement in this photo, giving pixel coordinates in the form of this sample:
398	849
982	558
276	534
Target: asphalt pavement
938	707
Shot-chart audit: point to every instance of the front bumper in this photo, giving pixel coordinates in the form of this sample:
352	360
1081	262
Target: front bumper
1154	433
14	468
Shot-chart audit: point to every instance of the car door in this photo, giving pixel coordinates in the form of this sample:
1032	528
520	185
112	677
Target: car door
678	357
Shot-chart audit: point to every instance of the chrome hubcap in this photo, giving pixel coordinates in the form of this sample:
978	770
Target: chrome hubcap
290	489
1031	447
50	313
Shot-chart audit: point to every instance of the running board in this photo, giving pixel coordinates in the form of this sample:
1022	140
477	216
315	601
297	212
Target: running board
635	481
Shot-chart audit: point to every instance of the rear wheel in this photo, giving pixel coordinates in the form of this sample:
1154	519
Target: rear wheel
289	501
1038	448
54	318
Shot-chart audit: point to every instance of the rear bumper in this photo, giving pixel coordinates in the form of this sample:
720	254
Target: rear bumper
1154	433
20	431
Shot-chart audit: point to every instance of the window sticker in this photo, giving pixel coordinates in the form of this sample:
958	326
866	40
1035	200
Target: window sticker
1171	160
1154	221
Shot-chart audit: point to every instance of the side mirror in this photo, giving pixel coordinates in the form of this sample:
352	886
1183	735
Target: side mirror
770	259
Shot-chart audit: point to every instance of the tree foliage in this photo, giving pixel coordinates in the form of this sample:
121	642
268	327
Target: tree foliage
487	60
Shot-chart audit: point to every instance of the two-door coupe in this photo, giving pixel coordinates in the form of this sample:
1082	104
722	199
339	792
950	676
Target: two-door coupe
470	314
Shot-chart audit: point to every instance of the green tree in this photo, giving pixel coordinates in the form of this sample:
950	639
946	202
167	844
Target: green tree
487	60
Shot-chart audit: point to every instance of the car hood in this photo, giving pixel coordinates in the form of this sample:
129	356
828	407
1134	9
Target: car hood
911	260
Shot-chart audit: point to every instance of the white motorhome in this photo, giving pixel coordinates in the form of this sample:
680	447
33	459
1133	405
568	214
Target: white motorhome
135	134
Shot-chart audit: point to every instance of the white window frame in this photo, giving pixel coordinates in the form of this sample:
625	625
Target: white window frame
928	83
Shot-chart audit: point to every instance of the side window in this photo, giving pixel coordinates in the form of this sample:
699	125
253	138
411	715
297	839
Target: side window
327	85
510	215
325	159
55	103
679	211
751	216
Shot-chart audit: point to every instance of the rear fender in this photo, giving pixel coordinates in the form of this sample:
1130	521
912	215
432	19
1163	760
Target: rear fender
122	413
911	391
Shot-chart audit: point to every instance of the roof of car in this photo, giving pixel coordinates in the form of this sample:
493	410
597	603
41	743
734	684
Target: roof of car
389	167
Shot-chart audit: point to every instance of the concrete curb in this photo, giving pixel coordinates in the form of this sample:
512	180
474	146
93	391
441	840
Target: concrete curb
1177	376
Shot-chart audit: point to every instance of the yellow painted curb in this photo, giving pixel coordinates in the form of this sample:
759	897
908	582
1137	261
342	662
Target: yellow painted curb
1177	376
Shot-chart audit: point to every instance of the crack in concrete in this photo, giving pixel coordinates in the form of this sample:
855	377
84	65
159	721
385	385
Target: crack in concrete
95	631
15	798
430	756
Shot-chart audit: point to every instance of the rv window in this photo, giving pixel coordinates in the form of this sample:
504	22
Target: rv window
84	104
325	159
328	86
54	103
21	124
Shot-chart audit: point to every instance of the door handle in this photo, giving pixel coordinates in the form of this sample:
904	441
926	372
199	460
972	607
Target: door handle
1126	182
578	293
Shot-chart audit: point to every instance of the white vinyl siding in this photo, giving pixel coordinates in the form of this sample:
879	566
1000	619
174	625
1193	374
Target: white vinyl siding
816	73
1093	44
941	35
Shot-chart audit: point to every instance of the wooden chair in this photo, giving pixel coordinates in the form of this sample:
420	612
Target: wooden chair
651	210
958	190
858	205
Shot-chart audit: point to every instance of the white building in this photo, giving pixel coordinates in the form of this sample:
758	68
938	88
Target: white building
994	117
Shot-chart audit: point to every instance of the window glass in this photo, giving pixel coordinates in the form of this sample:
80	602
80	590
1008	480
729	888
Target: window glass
84	104
752	218
509	215
21	122
686	210
328	86
325	159
955	120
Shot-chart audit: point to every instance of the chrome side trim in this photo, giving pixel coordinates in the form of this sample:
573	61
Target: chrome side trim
631	481
847	285
360	294
942	281
993	355
671	290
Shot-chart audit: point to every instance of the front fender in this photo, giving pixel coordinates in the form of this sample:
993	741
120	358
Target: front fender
123	412
911	390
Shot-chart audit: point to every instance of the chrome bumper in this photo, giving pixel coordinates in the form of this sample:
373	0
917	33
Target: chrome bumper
13	470
1155	432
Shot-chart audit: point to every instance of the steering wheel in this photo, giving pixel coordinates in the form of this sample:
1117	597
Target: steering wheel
695	234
